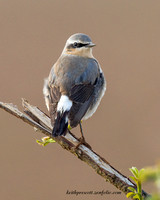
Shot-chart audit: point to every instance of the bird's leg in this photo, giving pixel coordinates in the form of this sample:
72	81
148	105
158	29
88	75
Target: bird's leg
81	130
82	139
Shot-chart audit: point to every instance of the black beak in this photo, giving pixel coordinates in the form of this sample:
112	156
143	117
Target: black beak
90	45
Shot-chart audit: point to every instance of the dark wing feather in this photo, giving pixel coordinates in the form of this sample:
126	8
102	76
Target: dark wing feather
82	97
81	93
78	110
58	120
54	98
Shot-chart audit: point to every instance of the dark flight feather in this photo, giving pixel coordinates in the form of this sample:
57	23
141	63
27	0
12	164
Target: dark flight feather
60	124
81	93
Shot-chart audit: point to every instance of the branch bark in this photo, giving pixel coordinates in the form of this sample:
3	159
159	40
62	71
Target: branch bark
39	120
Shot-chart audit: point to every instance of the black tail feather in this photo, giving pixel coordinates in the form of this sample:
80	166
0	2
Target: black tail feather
61	124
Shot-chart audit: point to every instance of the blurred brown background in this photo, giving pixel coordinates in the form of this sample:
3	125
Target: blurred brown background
125	129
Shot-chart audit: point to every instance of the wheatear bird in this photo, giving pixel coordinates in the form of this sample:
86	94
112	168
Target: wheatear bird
75	85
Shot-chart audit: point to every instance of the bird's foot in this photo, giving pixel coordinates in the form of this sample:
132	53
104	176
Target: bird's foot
82	141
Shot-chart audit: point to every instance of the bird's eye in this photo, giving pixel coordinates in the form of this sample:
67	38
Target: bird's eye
75	44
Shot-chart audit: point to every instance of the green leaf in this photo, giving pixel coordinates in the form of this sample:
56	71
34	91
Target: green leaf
129	194
134	179
135	172
141	172
136	196
132	189
45	140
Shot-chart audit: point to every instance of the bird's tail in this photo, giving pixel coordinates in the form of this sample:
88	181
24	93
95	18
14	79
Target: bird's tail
60	124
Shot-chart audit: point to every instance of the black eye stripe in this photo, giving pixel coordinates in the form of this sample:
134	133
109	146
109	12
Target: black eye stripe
79	45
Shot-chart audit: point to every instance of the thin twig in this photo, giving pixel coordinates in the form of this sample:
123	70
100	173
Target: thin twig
38	119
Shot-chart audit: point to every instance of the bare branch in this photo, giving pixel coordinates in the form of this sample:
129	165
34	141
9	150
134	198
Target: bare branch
36	118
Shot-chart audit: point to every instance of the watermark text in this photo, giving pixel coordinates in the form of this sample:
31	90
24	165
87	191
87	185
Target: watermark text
92	192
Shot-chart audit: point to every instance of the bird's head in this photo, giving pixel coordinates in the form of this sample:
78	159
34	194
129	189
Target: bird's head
79	44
